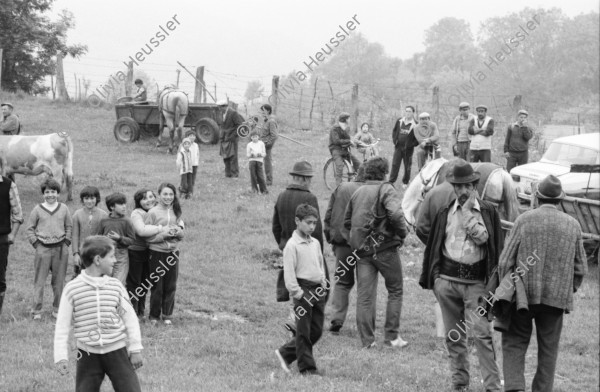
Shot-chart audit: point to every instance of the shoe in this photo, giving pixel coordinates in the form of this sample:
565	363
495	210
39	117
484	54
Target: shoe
54	314
282	362
168	322
397	343
313	372
335	327
37	316
291	328
404	186
154	322
370	346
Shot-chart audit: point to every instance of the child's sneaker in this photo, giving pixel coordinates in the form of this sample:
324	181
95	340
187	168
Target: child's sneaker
396	343
282	362
153	322
37	316
54	314
168	322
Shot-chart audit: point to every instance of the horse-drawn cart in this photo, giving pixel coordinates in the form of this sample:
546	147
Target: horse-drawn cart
135	120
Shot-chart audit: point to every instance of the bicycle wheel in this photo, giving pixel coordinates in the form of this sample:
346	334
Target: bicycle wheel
329	173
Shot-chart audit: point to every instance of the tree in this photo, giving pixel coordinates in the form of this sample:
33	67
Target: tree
31	41
253	91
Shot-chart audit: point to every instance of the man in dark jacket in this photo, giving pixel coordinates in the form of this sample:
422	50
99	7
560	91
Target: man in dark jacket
516	144
334	233
284	214
404	141
462	250
268	137
377	229
339	147
9	123
229	141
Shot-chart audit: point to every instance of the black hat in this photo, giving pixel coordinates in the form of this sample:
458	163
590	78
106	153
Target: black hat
463	173
303	169
550	189
343	117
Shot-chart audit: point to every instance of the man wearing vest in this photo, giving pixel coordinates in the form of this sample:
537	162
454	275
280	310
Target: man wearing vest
404	141
11	217
516	144
481	131
460	130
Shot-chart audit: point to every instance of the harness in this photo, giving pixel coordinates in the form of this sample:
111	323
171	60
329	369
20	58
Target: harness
166	96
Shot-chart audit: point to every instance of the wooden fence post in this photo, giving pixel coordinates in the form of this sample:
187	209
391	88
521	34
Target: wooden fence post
61	90
199	86
312	104
129	80
300	109
354	113
275	93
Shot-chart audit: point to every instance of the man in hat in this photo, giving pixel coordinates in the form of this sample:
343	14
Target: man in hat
268	136
339	146
375	229
545	251
11	218
403	137
427	135
481	130
10	124
284	214
462	250
229	140
460	130
516	144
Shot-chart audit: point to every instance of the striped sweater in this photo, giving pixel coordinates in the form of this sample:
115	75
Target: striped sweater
546	245
100	314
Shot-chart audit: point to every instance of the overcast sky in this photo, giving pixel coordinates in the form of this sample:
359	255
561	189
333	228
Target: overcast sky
238	41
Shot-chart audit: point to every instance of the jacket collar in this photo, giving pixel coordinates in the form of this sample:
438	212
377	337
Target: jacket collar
456	205
93	281
298	187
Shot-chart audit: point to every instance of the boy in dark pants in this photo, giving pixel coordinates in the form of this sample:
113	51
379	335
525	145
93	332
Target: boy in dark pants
304	273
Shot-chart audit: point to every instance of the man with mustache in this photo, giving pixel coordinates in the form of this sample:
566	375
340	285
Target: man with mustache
462	250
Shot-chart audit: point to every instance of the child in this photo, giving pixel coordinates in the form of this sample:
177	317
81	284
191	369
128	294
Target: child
364	137
118	228
49	231
104	323
304	273
164	253
256	152
195	153
86	222
140	94
184	164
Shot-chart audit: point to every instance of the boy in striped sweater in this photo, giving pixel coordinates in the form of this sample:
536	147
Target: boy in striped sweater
97	307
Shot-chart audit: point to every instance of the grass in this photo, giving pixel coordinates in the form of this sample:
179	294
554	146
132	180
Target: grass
227	323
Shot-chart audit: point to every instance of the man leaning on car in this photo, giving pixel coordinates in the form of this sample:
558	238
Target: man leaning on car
516	144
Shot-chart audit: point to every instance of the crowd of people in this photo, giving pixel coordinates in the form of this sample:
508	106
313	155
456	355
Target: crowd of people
467	262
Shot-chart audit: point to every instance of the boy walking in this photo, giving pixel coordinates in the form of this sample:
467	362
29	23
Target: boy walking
97	307
195	158
118	228
184	164
49	232
256	152
304	273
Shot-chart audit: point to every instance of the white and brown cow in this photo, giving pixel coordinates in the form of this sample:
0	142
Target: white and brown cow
33	155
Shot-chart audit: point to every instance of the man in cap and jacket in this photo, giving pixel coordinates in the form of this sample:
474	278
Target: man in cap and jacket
460	130
229	140
481	131
545	251
516	144
284	214
10	124
461	253
339	146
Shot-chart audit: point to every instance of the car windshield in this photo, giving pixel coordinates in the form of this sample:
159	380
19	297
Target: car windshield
567	155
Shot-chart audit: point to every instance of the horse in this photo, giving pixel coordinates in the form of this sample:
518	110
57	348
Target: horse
173	105
495	186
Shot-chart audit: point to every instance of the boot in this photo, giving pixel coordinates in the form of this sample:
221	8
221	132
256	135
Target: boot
1	301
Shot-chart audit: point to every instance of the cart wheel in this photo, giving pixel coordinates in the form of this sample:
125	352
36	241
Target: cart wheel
329	173
149	130
207	131
126	130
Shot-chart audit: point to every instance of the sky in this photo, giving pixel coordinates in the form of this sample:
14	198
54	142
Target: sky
239	41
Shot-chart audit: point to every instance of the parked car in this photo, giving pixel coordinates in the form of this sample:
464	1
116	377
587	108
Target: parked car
557	160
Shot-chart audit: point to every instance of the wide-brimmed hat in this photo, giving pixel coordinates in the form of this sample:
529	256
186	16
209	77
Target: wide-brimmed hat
550	189
463	173
10	105
303	169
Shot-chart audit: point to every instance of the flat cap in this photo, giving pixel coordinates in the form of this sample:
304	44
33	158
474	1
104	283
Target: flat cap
464	105
523	111
343	117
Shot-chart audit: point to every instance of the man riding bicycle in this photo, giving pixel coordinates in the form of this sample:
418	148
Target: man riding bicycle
427	134
339	146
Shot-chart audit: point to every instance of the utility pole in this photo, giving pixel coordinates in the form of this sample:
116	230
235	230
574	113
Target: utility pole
178	72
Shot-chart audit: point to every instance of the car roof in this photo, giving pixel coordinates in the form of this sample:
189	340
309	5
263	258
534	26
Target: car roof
586	140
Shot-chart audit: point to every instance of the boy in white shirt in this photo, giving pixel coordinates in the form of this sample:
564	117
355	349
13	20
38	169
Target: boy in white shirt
195	155
256	152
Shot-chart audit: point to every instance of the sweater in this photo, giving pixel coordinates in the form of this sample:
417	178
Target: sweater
49	227
142	231
256	151
339	139
546	244
164	216
481	135
269	132
302	259
517	138
195	154
184	161
122	226
460	127
335	233
100	314
86	224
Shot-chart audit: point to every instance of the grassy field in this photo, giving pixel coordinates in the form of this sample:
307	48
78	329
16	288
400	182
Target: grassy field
227	323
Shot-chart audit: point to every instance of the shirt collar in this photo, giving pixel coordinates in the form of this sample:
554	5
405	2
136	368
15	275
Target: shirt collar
548	206
456	205
301	239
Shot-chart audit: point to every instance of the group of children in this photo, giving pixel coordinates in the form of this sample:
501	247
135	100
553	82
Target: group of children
95	303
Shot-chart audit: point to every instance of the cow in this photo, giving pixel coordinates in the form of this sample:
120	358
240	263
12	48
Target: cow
33	155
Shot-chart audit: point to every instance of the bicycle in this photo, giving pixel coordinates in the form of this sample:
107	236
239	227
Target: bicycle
348	172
